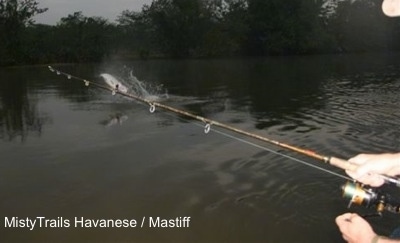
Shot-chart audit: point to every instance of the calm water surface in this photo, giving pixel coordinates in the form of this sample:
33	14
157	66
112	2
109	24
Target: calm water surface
61	155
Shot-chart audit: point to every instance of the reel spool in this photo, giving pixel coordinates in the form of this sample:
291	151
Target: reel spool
358	194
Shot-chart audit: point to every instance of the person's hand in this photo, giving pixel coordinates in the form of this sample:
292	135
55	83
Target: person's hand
391	7
354	228
372	164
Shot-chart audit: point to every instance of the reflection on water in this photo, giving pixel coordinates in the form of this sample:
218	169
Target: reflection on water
103	156
19	115
115	119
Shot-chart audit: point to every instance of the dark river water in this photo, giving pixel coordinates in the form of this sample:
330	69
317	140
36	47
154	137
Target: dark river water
69	152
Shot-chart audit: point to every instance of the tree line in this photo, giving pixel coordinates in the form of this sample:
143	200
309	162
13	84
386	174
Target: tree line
198	28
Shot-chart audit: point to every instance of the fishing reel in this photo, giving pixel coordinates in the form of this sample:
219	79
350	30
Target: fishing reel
368	197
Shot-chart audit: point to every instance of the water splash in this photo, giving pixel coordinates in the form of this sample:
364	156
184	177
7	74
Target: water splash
138	86
129	83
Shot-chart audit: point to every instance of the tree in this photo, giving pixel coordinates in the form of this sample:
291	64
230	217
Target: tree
15	15
83	38
19	12
360	26
179	25
228	28
137	34
284	27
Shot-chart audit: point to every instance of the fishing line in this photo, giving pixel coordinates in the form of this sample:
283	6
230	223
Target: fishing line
337	162
281	154
264	148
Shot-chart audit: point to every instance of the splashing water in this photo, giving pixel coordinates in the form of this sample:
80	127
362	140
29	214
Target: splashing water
132	85
138	86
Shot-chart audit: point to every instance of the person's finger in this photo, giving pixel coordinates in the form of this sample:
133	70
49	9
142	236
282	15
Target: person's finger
368	179
346	217
352	174
355	218
359	159
373	180
360	170
367	169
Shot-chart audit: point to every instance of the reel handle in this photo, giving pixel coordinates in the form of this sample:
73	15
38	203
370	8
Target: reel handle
346	165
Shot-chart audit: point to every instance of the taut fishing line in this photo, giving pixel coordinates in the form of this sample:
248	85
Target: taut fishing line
274	152
352	190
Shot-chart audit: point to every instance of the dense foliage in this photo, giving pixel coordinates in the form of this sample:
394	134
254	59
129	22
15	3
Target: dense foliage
198	28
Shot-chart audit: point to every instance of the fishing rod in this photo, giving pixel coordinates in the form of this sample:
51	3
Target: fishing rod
352	190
